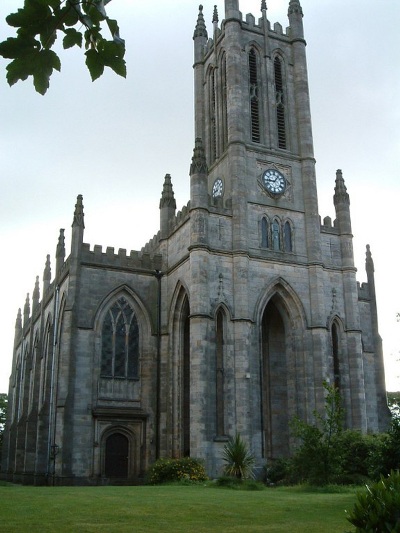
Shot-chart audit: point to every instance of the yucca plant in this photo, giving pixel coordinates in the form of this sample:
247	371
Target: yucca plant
377	510
239	460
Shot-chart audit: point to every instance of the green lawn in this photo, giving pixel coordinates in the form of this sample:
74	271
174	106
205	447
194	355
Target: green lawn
171	509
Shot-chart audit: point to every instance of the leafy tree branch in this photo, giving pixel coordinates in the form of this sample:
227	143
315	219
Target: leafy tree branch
38	24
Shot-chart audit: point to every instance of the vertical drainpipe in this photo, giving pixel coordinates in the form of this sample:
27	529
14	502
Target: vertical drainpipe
158	274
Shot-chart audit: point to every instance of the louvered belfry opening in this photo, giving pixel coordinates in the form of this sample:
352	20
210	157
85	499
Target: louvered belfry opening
254	100
280	104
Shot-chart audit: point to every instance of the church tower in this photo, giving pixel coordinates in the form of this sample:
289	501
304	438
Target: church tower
288	308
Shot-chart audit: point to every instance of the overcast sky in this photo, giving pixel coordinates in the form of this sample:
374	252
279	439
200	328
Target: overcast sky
114	140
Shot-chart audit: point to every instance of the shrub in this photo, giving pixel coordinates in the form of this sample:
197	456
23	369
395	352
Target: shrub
239	460
278	471
377	510
170	470
238	484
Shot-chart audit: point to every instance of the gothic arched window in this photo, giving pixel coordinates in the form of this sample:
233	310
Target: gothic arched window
213	117
335	355
264	233
224	98
254	97
120	342
276	235
280	103
287	237
220	374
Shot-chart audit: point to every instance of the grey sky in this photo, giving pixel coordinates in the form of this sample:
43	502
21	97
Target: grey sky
114	140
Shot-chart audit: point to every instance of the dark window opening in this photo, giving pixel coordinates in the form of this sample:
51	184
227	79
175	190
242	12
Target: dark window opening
254	99
280	104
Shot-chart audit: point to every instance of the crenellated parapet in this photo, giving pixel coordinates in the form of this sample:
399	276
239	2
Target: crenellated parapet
108	258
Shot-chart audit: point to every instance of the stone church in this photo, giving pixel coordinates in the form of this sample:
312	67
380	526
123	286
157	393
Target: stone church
229	319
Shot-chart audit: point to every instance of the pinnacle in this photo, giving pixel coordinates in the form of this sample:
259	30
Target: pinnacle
295	7
167	195
215	15
78	214
200	30
199	164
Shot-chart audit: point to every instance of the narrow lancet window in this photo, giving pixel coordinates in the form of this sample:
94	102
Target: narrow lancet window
287	235
280	104
276	237
213	118
224	105
254	97
335	354
220	374
264	233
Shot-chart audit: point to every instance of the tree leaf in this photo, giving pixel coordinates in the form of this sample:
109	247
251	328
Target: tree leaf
16	47
45	61
18	69
72	38
94	63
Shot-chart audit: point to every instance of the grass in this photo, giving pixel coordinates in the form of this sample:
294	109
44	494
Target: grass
175	509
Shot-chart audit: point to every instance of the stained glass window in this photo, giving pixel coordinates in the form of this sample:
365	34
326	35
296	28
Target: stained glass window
120	342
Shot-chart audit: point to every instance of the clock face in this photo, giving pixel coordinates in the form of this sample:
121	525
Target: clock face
274	181
218	188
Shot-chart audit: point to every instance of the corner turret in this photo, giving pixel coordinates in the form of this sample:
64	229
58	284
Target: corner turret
295	15
200	36
78	227
167	207
232	10
341	200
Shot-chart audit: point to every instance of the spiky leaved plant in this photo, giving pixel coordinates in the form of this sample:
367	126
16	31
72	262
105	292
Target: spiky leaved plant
239	460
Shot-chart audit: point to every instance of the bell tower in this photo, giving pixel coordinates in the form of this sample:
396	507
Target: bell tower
252	112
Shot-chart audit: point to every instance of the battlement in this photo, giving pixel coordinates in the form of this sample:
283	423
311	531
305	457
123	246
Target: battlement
328	227
135	260
249	23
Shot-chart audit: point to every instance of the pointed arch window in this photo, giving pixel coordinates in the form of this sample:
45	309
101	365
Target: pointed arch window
335	355
287	236
264	233
120	342
224	99
276	235
254	97
220	407
213	116
280	104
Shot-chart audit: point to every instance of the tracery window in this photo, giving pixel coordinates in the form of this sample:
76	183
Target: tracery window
120	342
254	97
280	103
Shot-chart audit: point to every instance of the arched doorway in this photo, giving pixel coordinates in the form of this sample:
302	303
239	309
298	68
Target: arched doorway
116	463
274	381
